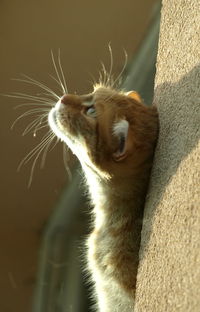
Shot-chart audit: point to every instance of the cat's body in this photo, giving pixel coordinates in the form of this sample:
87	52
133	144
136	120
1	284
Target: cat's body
113	135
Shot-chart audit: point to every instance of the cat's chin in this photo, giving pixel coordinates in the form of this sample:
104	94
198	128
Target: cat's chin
55	127
54	124
52	120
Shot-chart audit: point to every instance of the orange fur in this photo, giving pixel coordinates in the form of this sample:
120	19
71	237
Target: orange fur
117	168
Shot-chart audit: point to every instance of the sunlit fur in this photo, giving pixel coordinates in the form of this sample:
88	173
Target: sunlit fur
117	182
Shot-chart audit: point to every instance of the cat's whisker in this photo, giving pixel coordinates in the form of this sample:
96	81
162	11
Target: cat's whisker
46	105
32	81
29	112
45	142
109	81
122	71
62	73
57	72
50	92
36	125
44	93
31	125
100	78
58	82
57	140
104	73
106	78
47	148
29	97
35	150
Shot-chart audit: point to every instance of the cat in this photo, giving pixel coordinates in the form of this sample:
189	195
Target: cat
113	134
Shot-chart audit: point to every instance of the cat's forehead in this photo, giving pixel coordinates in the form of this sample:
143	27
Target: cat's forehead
99	92
102	91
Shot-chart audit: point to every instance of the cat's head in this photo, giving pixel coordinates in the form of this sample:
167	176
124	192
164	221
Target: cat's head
111	132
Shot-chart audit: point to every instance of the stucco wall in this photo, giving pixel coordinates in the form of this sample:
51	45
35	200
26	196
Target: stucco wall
169	270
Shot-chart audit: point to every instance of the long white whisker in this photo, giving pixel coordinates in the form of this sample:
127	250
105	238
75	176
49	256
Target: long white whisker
29	97
32	125
36	104
111	65
123	68
100	78
41	85
36	125
47	98
29	112
62	73
35	150
39	151
105	74
46	94
58	82
47	148
57	73
43	124
37	83
57	140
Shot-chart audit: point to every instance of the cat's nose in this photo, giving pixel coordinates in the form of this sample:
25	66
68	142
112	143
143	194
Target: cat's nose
70	99
64	99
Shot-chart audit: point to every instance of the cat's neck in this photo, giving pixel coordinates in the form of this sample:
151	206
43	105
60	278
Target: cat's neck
115	197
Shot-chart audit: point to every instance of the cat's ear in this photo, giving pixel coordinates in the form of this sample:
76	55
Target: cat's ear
120	130
134	95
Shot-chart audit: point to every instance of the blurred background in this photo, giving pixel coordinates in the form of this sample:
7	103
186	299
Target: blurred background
42	228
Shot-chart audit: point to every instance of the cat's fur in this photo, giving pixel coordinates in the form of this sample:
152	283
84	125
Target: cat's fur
113	134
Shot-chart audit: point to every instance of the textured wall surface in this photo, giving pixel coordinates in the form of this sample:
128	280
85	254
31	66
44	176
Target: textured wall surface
169	270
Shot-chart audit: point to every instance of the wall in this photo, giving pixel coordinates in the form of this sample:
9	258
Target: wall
169	270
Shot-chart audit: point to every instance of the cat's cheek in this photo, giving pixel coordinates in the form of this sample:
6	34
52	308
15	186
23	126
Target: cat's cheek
91	121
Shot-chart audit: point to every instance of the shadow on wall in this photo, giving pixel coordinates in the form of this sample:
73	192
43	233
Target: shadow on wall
179	114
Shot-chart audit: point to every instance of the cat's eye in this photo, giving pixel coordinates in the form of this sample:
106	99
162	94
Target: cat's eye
91	111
